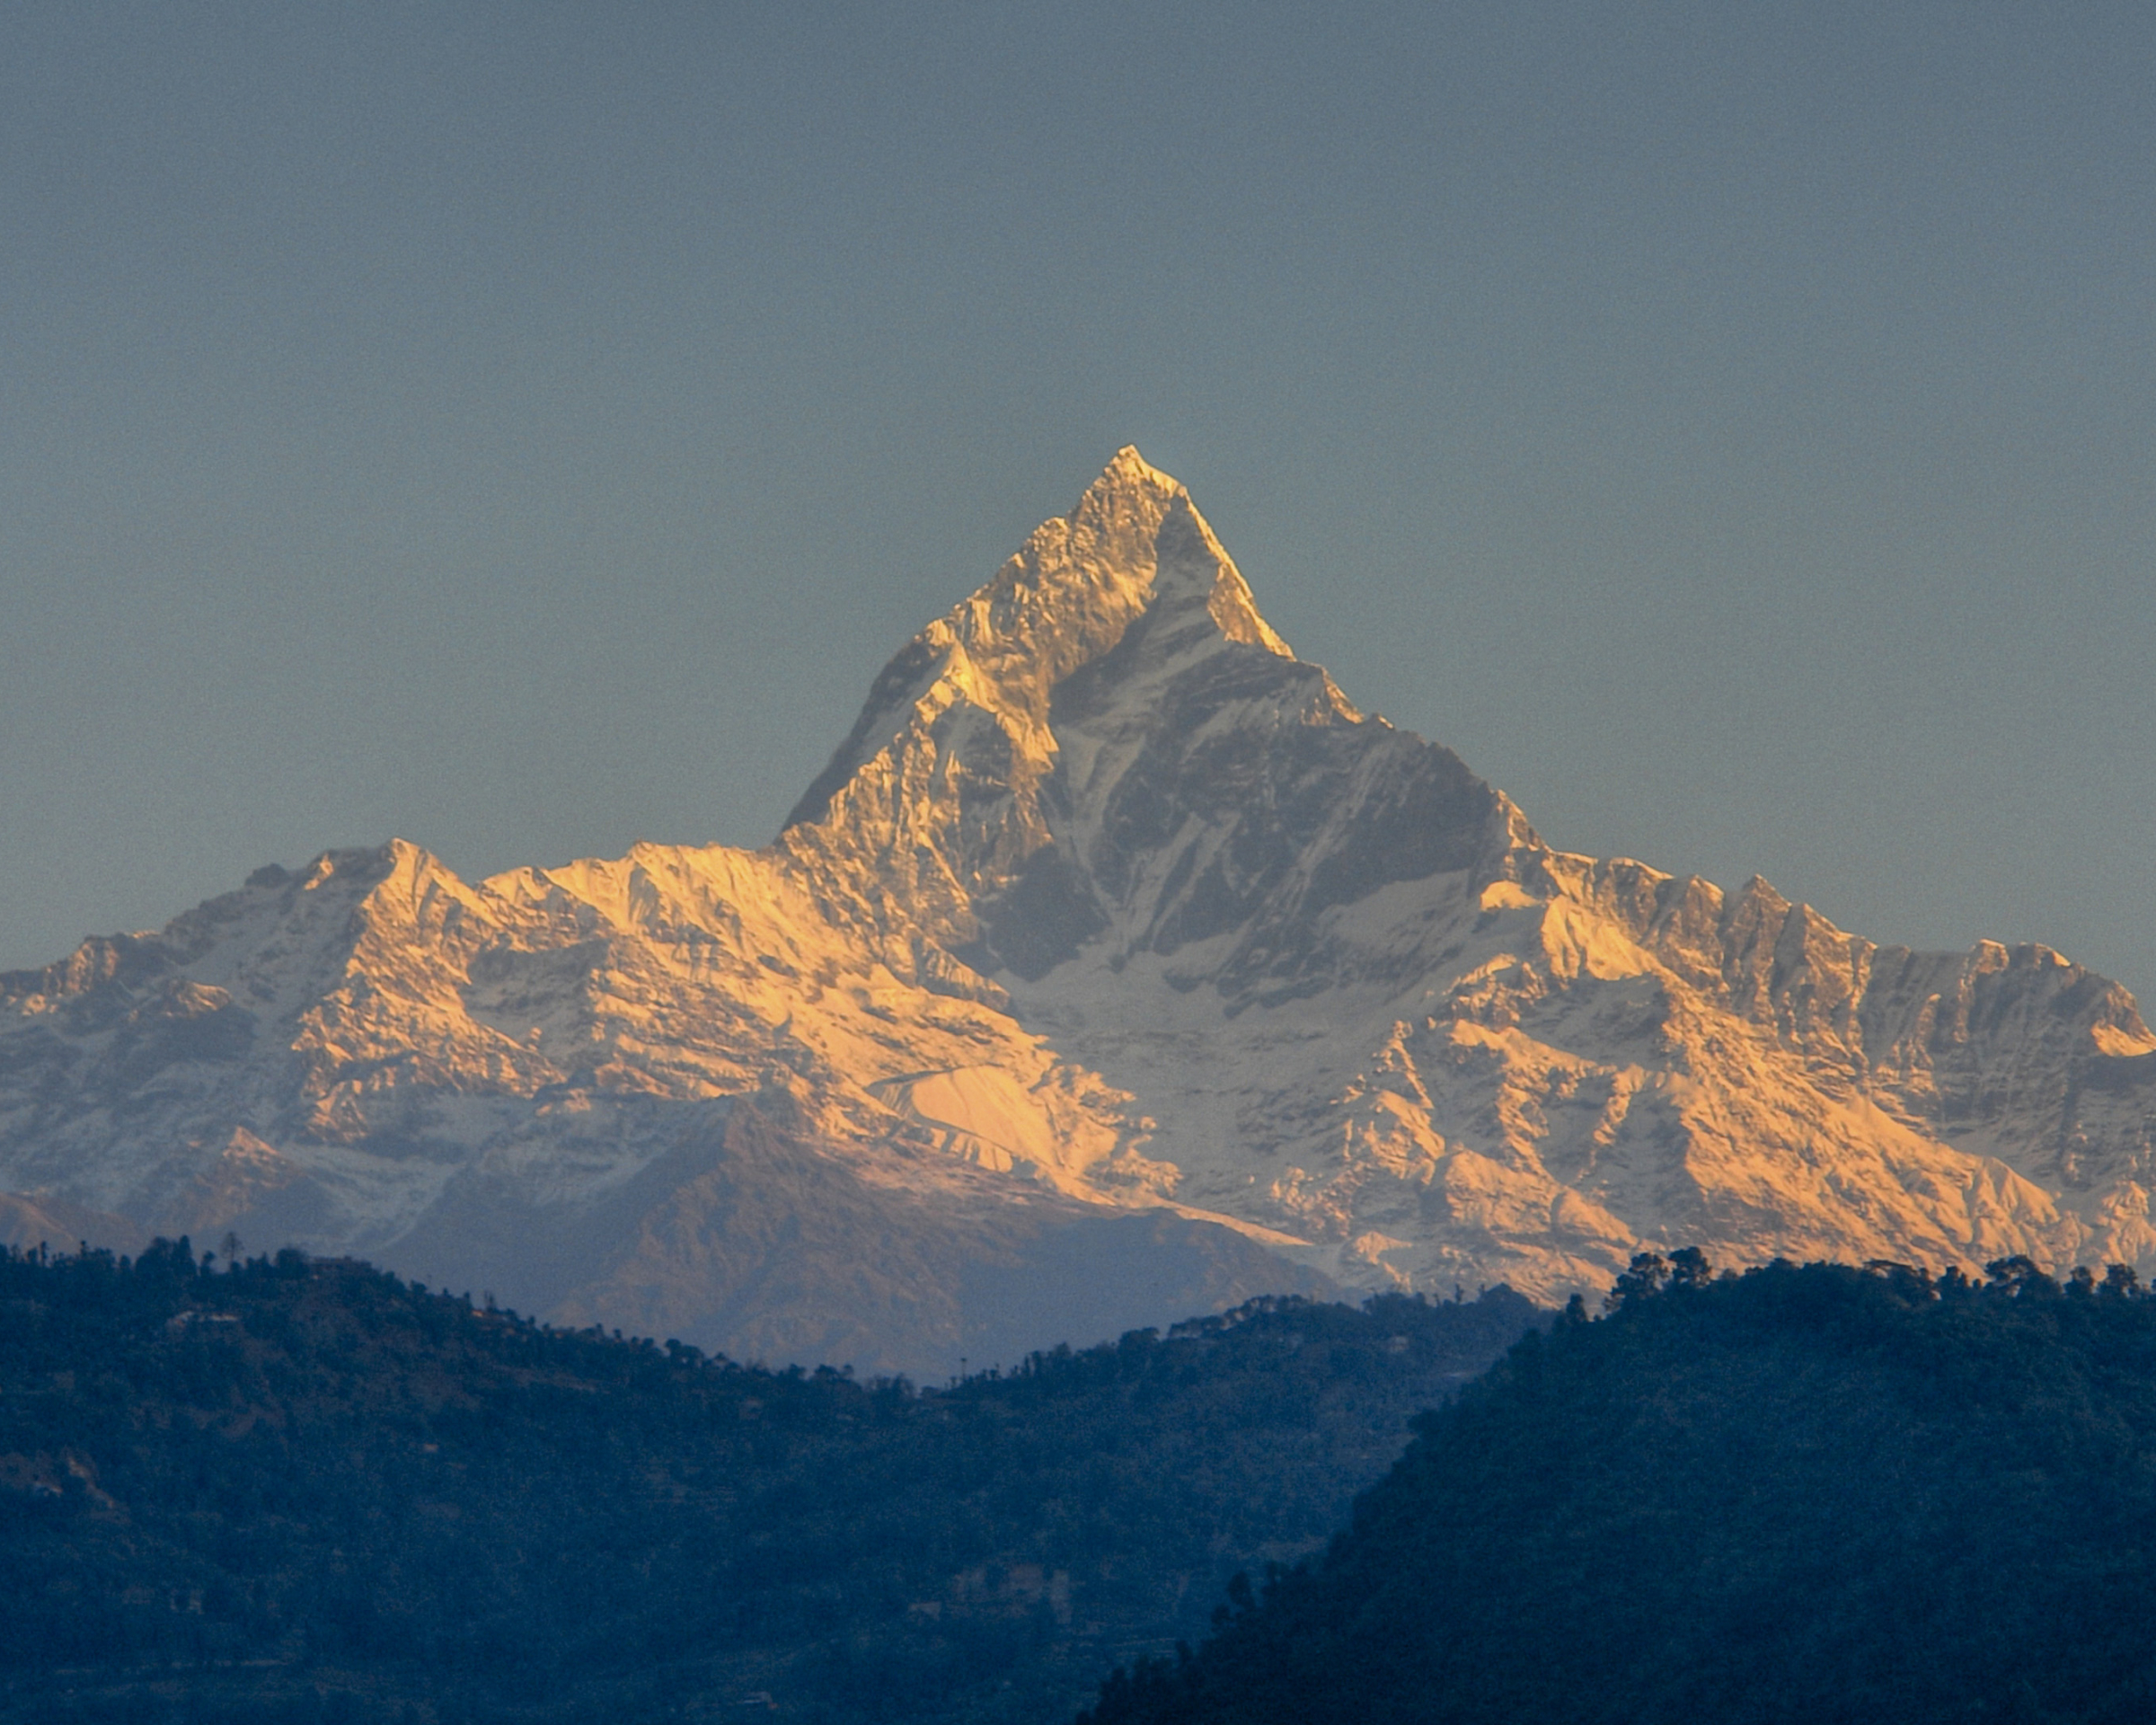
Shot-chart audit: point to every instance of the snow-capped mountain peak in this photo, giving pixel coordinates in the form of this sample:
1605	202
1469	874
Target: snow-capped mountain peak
1115	957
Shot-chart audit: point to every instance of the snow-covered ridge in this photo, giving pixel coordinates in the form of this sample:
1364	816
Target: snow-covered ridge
1107	907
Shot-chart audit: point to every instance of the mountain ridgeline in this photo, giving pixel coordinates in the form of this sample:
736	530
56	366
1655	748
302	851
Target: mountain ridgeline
310	1491
1816	1493
1117	966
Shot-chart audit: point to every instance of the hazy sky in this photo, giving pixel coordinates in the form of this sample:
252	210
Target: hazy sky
527	429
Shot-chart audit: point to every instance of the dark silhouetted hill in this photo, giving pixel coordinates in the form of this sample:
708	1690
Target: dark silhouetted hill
308	1491
1799	1494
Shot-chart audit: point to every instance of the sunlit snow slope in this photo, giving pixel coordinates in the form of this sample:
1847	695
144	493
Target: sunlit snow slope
1116	960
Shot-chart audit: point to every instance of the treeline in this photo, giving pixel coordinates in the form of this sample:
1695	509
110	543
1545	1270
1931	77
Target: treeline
1792	1494
307	1490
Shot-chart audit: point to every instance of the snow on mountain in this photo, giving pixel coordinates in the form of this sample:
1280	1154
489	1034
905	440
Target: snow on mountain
1115	960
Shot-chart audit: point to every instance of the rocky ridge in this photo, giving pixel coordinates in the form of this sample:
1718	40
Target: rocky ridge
1113	938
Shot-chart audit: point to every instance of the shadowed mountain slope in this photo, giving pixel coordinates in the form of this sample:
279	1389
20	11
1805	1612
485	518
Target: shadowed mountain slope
300	1490
1805	1494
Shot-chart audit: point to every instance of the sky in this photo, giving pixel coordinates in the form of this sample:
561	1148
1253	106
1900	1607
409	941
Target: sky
526	428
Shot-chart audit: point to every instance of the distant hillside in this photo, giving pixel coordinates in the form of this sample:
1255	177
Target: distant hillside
1801	1494
308	1491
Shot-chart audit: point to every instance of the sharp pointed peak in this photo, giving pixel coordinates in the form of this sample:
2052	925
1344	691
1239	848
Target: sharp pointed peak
1132	494
1128	475
1128	464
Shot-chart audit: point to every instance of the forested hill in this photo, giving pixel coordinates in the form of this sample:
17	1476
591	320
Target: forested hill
307	1490
1816	1493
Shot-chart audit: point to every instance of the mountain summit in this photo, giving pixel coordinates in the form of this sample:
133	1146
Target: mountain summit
1009	786
1115	961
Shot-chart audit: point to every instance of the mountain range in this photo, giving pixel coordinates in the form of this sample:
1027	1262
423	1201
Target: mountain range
1118	967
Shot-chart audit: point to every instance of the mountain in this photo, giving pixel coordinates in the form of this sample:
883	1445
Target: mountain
1116	960
1801	1494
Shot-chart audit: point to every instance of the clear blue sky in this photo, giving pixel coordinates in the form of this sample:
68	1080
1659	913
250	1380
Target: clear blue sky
527	429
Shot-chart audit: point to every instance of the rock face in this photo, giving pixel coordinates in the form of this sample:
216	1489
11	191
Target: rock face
1115	961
